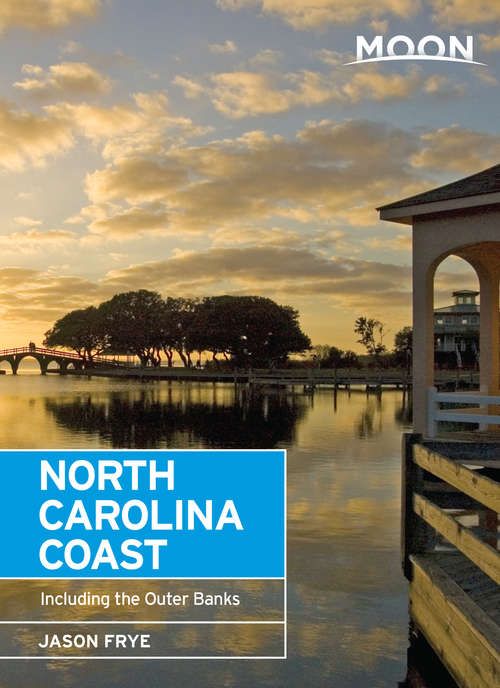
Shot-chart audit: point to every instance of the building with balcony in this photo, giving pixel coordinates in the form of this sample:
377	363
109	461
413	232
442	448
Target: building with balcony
456	327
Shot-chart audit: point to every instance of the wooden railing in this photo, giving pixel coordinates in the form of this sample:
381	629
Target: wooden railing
451	502
433	483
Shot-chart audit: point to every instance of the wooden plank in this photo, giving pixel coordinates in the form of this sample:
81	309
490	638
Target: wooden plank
466	639
479	487
483	555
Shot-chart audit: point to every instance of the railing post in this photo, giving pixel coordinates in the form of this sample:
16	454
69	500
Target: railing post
415	533
431	412
483	389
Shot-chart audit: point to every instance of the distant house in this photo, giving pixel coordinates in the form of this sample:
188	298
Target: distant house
456	327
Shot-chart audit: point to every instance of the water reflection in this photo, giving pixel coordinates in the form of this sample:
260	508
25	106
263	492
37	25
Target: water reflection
181	419
347	599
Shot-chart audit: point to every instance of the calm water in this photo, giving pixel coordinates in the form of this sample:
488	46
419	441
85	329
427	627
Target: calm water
348	622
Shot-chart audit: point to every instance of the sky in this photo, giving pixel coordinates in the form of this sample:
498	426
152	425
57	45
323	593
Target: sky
222	146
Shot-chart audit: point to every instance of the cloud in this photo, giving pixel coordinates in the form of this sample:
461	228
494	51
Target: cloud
74	220
271	269
131	223
485	76
323	175
141	125
274	236
33	241
372	85
26	138
441	86
28	295
457	149
380	26
315	14
266	57
489	43
45	14
402	242
192	89
321	180
137	180
30	139
451	12
97	122
14	276
66	79
43	297
71	47
285	273
27	221
250	94
226	47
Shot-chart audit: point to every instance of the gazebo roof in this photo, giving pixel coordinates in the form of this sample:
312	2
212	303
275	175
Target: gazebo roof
487	181
482	188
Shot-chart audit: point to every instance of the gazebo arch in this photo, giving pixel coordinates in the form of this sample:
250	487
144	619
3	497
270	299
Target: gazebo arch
463	219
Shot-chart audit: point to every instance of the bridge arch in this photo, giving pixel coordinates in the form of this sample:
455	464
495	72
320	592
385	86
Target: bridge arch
65	360
5	366
45	358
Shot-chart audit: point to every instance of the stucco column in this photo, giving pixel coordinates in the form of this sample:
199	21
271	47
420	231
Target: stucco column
489	334
423	341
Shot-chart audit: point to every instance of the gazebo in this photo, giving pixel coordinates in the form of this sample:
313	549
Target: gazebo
461	219
451	489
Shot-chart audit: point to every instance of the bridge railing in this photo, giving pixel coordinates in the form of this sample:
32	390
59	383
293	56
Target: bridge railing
60	354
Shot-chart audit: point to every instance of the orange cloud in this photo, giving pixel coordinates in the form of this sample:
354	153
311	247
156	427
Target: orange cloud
41	15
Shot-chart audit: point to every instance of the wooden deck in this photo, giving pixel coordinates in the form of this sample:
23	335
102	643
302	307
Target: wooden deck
451	502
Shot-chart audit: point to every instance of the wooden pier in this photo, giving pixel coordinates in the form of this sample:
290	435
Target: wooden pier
310	379
451	505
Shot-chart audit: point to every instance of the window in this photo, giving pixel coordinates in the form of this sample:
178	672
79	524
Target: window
439	321
465	321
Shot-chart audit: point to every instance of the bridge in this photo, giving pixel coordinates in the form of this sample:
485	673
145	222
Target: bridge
310	378
66	360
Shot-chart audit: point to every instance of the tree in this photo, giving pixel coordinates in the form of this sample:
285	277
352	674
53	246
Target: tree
209	330
333	357
320	354
82	330
177	320
403	347
350	360
371	335
133	324
249	330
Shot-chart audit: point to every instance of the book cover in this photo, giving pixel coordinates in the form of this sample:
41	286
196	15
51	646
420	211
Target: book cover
243	248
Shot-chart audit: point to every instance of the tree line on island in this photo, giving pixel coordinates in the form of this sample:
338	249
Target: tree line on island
244	331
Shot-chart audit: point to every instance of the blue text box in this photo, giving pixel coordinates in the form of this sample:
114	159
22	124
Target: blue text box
254	480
